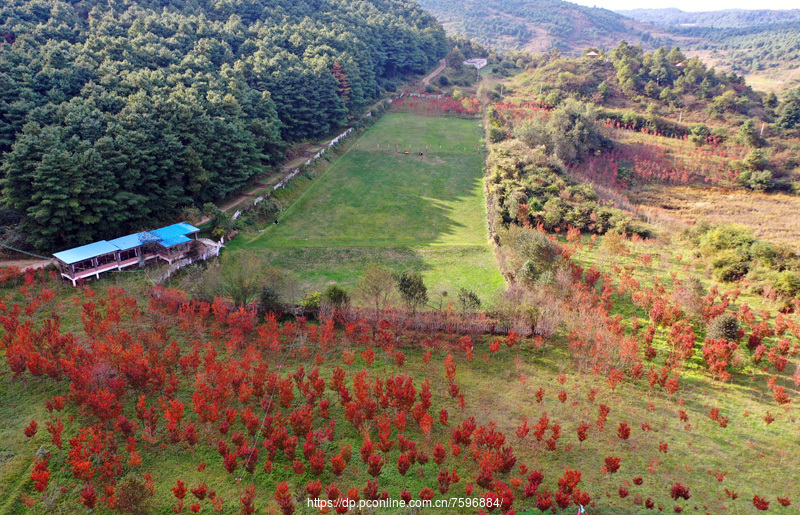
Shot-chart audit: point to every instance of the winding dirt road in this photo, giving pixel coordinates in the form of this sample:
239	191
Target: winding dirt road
427	80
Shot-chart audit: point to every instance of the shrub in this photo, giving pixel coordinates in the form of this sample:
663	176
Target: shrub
468	299
269	301
726	237
496	135
756	181
723	327
135	496
532	246
412	290
569	132
786	282
528	273
698	133
376	286
720	134
730	265
336	296
312	300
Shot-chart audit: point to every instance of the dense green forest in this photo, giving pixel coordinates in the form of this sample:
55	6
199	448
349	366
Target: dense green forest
719	19
115	114
536	25
750	49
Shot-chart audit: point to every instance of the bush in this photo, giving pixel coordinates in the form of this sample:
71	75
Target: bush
134	496
468	300
528	273
376	286
312	300
720	134
756	181
726	237
336	296
786	283
725	327
496	135
534	247
764	253
698	133
730	265
269	301
569	132
412	290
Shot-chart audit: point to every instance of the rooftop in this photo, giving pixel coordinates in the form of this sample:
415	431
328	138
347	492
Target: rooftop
133	240
98	248
168	236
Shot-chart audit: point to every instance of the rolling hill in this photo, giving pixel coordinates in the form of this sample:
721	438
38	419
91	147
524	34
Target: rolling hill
759	44
538	25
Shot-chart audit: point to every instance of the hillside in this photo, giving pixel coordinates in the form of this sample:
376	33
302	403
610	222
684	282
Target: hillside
115	115
759	44
538	25
631	363
725	18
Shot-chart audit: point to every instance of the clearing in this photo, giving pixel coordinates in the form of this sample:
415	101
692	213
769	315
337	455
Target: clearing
405	211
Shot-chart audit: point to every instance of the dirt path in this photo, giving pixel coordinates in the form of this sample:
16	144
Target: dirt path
265	185
427	80
25	263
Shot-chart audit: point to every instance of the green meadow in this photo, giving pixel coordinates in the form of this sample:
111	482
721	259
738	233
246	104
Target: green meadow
377	204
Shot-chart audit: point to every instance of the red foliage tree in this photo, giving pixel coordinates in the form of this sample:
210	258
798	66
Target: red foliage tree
40	474
612	464
760	503
624	430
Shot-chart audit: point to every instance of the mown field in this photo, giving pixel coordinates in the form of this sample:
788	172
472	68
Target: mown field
404	211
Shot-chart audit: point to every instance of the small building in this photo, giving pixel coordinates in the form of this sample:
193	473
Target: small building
680	65
592	54
477	62
167	243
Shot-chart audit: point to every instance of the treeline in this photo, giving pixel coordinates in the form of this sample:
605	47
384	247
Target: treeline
116	114
720	19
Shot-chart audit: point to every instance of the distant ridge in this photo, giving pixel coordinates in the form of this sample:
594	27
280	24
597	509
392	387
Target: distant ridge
728	18
538	25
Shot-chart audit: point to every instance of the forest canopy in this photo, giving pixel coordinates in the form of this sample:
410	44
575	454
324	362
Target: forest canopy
115	114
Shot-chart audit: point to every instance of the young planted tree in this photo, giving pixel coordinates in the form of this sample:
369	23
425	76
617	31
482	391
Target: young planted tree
412	290
242	276
376	286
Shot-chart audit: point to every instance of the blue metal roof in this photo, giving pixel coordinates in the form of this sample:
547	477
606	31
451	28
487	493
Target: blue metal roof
133	240
171	242
171	231
89	251
167	236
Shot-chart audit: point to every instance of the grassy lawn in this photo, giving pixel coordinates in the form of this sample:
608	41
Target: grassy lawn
405	211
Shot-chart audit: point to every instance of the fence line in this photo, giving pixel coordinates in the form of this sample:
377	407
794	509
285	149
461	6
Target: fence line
285	181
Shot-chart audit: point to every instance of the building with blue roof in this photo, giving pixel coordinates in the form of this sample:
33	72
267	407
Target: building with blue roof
167	243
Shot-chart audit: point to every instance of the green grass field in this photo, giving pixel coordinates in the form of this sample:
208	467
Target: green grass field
404	211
